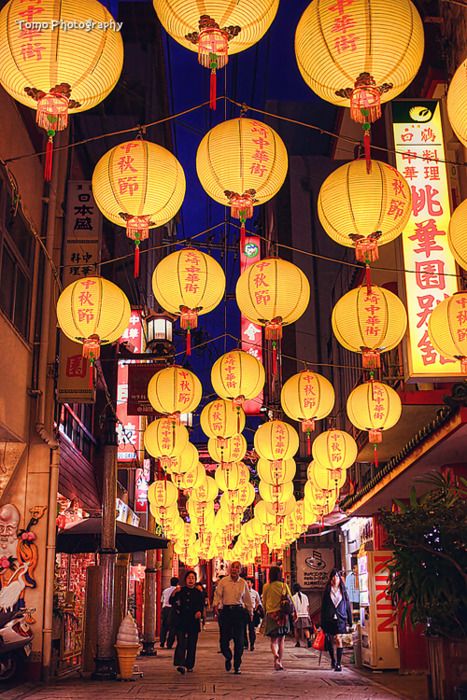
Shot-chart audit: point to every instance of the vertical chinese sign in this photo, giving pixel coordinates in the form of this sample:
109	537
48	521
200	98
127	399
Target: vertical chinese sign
252	335
129	428
430	269
82	240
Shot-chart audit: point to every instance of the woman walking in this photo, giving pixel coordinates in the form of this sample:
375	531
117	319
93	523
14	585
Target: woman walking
302	622
277	603
188	605
336	616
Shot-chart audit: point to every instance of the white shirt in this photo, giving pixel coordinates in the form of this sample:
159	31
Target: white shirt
229	592
255	598
166	593
301	604
336	596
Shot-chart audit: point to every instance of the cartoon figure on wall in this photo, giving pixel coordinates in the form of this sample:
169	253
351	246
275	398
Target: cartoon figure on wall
18	556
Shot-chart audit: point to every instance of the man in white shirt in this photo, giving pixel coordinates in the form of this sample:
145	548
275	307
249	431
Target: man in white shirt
251	625
167	627
232	601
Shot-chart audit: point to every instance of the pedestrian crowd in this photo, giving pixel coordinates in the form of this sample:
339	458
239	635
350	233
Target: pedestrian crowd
240	611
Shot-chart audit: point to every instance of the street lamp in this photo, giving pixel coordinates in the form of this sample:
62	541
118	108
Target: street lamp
159	333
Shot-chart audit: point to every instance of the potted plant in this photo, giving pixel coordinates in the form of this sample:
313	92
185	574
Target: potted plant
428	576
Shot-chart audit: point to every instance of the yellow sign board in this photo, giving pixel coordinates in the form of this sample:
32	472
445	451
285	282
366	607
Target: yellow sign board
430	269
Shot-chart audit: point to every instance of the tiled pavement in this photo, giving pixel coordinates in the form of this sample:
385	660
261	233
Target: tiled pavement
303	678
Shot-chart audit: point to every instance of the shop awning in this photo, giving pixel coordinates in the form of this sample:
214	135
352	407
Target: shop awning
85	537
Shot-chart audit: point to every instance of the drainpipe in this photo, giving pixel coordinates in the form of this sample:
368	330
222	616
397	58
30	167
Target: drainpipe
50	565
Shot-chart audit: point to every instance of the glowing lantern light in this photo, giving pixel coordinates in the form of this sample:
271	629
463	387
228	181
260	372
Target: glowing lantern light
233	450
241	163
206	492
273	293
278	472
263	516
276	441
375	407
232	476
94	312
174	390
162	494
457	234
190	479
275	494
140	185
374	45
221	419
58	72
307	397
236	501
323	479
224	28
186	460
457	103
362	210
188	283
379	322
164	439
238	376
281	508
447	328
335	449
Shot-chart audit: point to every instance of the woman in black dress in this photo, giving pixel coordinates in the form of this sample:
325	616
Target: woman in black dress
188	605
336	616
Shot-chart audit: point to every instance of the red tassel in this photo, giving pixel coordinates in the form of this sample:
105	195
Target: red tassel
49	152
368	278
188	342
274	359
366	148
308	443
213	90
375	456
242	235
136	262
91	374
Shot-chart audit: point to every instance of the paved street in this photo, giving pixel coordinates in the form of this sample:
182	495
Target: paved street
303	678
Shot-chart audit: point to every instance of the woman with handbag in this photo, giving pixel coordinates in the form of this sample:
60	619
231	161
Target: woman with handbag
336	617
277	603
188	605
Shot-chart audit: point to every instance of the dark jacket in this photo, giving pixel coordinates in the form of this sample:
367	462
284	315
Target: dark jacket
335	620
185	604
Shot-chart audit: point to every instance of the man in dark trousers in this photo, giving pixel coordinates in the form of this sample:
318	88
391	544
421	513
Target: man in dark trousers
167	622
232	601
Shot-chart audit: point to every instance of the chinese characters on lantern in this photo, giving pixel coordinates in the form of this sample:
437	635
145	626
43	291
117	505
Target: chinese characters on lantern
343	24
190	279
430	267
125	166
27	21
252	334
372	322
129	428
260	152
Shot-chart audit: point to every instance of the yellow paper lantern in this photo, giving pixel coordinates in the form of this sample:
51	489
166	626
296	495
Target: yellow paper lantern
335	449
165	516
276	494
183	462
188	283
263	516
162	494
323	479
56	67
231	477
190	479
375	407
281	508
457	103
164	439
457	234
276	440
307	397
216	29
206	492
277	472
221	419
237	375
241	163
447	328
379	322
362	210
94	312
174	390
273	293
236	501
140	185
359	53
233	450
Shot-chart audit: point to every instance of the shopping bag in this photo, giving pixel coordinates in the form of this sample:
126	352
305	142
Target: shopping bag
320	641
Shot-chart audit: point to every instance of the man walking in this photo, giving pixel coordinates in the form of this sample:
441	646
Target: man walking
232	601
167	623
252	623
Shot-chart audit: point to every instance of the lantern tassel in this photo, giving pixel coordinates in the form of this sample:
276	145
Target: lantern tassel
367	146
136	261
49	152
274	358
188	342
368	277
91	372
213	63
308	443
375	456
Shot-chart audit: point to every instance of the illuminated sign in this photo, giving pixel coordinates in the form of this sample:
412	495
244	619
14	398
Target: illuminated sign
129	428
430	269
252	334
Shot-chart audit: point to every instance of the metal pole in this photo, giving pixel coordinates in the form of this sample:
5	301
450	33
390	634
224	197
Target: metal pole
105	658
50	565
150	602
